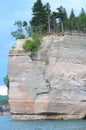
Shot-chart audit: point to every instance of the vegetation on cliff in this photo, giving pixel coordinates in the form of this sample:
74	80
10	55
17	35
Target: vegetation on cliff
32	45
45	21
22	27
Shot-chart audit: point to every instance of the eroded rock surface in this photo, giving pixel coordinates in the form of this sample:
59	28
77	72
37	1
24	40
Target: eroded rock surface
51	84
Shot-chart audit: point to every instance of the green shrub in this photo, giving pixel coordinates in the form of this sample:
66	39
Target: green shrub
21	36
18	35
37	37
32	45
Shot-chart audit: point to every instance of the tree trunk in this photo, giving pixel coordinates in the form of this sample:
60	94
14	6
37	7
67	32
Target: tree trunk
48	24
54	24
62	27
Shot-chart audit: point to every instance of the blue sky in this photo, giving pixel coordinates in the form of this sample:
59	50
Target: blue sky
14	10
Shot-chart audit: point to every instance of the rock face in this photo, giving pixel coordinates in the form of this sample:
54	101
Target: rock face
51	84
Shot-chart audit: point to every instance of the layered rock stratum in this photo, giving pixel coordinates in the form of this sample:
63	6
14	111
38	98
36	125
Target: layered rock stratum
52	83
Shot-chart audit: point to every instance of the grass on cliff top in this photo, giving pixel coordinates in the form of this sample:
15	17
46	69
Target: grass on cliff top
33	45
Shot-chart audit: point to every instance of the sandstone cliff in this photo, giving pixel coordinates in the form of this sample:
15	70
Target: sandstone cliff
51	84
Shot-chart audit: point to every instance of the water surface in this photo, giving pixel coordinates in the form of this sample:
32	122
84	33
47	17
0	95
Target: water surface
7	124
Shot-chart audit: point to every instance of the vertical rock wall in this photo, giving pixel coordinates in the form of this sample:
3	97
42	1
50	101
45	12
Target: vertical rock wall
51	84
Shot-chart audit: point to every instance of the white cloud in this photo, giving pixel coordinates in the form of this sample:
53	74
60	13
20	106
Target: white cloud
3	90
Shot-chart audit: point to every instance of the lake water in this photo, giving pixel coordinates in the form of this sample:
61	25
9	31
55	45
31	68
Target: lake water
7	124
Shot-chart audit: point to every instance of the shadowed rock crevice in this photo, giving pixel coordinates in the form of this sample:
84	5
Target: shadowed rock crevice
42	113
84	118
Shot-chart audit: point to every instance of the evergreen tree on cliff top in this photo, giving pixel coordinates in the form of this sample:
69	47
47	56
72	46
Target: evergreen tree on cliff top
72	20
81	21
39	20
62	15
48	13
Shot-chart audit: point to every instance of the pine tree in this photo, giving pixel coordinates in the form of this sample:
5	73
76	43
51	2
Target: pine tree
62	16
81	21
48	12
39	20
72	20
53	22
82	12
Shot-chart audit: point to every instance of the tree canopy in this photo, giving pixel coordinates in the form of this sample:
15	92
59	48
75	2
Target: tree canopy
39	19
44	20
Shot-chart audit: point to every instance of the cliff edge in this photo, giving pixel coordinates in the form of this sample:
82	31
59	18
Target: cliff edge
52	83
